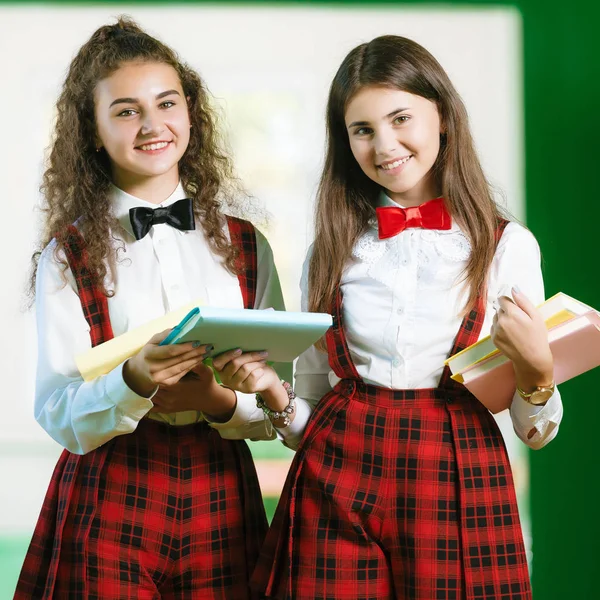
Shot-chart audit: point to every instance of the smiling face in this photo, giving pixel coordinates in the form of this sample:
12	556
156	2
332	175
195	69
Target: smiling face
142	123
395	138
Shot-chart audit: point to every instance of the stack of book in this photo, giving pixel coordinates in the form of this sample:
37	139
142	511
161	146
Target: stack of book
574	336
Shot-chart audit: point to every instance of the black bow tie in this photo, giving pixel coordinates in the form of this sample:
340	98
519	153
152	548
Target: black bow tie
180	215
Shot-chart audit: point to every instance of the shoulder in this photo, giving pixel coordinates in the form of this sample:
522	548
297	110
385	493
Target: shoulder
305	269
53	270
247	234
48	256
237	226
517	237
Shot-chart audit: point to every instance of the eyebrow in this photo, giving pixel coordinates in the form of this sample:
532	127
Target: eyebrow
388	116
136	100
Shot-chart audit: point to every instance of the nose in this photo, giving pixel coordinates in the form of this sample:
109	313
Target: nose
384	142
152	124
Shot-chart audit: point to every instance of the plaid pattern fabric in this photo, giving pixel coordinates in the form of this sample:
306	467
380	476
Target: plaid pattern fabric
244	237
164	512
397	494
93	301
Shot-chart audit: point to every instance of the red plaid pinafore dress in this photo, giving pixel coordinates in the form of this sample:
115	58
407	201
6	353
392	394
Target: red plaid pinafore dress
163	512
397	494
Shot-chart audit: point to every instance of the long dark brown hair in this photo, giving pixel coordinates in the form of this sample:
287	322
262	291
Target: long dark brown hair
345	198
76	184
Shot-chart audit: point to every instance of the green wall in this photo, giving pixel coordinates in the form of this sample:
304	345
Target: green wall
562	91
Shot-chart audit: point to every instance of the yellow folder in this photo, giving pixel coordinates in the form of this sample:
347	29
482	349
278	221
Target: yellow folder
104	358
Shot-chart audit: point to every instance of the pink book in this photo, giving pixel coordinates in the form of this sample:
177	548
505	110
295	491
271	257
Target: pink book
575	347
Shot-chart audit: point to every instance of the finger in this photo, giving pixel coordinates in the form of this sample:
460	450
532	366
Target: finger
224	358
247	357
154	352
157	338
157	364
524	303
248	372
239	368
504	304
174	373
240	358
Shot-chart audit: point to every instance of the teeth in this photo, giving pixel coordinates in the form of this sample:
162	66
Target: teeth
154	146
395	164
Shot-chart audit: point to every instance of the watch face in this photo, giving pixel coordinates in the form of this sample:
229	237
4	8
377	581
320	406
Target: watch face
541	396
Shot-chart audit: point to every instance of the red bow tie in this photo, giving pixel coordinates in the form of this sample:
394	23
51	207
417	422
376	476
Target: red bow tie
430	215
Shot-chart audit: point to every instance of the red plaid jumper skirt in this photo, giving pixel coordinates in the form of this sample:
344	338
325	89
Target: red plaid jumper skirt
397	494
163	512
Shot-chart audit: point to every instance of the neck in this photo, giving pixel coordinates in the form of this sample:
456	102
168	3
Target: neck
151	189
427	189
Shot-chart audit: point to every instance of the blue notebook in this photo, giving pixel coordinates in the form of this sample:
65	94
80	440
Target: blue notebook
283	334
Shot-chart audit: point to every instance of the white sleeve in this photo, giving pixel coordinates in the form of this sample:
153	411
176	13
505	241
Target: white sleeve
248	421
312	378
81	416
517	263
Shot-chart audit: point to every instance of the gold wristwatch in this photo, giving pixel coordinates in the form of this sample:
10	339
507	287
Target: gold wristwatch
539	396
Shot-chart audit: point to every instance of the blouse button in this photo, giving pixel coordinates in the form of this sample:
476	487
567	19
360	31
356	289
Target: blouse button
396	362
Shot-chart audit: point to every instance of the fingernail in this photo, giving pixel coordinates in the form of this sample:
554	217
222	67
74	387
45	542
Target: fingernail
237	351
209	348
517	289
264	354
195	344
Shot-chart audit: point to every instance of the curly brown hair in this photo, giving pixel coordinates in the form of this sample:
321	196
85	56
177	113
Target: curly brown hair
76	184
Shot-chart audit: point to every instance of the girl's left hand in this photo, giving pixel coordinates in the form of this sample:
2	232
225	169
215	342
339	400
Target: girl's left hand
519	332
246	372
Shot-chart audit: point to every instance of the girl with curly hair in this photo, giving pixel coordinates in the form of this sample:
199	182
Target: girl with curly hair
155	494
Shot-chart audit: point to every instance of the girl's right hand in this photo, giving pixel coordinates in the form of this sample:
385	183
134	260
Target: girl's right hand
156	365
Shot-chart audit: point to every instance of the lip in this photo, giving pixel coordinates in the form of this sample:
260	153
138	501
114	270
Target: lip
151	143
397	169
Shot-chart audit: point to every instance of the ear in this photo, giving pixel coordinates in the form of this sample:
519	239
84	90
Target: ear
443	127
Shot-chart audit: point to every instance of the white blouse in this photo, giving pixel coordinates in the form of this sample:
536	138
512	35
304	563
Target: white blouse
163	271
403	298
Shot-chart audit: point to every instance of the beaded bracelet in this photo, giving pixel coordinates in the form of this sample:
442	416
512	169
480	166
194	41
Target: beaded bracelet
285	413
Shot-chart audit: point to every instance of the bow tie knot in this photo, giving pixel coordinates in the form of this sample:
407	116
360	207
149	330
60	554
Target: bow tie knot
392	220
180	215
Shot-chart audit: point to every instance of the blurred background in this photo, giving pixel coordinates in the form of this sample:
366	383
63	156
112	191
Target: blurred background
524	73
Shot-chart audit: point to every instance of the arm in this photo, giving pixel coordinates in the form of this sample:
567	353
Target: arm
247	420
79	415
84	415
312	380
520	333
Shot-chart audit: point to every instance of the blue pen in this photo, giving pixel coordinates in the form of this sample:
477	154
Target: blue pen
177	329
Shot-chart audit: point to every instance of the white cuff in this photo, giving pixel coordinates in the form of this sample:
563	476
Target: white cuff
544	419
245	407
292	435
124	398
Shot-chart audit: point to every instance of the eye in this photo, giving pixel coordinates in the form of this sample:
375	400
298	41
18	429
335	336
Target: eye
127	112
363	131
167	104
400	119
